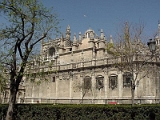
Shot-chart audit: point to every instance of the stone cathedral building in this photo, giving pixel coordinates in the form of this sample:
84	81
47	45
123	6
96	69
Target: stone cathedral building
80	70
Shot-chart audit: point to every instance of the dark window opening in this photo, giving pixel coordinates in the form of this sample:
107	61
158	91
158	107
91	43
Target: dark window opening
53	79
87	82
51	51
99	82
113	81
127	78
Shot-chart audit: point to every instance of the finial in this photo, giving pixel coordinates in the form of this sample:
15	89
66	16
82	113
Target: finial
102	35
68	27
111	41
80	36
74	38
91	35
68	33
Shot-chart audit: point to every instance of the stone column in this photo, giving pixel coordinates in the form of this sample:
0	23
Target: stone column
32	92
93	81
120	85
81	89
56	82
106	84
70	86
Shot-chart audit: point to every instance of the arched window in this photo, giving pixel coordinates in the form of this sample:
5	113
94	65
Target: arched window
127	78
113	81
87	82
51	51
99	82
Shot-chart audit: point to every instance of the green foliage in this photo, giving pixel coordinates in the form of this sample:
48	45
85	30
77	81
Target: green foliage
27	23
82	112
110	47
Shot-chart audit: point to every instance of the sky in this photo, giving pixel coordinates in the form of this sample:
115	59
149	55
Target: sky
108	15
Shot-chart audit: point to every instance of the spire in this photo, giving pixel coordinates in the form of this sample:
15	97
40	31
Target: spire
91	35
80	37
68	27
74	38
102	40
74	45
102	35
110	40
68	36
68	32
62	40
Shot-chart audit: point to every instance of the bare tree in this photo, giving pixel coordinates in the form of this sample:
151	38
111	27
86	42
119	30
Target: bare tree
28	22
87	87
131	55
84	87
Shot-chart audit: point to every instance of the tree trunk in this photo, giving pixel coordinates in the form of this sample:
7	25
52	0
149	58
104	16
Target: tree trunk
132	93
132	88
11	106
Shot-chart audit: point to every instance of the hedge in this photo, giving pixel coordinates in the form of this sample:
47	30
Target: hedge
82	112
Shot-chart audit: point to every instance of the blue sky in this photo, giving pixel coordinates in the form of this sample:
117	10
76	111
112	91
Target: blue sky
108	15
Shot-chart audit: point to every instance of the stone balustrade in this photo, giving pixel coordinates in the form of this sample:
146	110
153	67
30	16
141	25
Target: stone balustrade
89	63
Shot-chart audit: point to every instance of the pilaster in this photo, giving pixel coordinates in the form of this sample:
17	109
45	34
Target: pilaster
120	85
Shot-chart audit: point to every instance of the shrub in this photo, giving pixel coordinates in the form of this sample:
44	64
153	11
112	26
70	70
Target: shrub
82	112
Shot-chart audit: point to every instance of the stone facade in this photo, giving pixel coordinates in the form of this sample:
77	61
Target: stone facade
82	71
